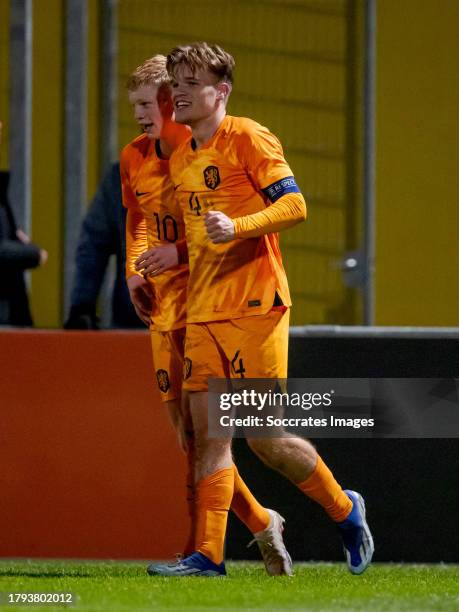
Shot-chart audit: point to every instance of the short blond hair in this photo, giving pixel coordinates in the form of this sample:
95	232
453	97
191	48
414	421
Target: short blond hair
202	56
151	72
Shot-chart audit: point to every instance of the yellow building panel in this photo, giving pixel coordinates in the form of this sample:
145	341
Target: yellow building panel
47	158
417	179
93	112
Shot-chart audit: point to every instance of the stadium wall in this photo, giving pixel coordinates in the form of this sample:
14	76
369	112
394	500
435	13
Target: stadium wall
90	468
89	465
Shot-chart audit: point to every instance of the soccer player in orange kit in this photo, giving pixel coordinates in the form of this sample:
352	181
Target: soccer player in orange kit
154	219
236	191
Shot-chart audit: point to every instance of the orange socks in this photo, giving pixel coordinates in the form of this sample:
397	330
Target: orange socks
322	487
210	500
246	507
214	495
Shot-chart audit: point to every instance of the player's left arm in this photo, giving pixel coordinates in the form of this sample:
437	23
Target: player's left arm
263	159
286	212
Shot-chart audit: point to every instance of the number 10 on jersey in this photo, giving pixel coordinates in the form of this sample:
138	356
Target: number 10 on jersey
167	228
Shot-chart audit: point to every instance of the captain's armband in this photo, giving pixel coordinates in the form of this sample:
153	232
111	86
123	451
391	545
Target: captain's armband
276	190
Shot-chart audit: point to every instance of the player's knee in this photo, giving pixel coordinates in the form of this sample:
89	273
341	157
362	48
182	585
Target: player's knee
209	448
173	410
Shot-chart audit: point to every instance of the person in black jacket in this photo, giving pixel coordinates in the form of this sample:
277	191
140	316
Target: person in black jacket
17	253
102	235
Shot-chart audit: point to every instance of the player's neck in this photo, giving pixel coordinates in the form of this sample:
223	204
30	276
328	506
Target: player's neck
204	129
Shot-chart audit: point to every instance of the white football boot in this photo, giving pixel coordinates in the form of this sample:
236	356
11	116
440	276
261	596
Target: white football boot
271	544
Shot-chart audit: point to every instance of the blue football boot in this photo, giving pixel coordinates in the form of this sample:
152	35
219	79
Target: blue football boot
357	539
196	564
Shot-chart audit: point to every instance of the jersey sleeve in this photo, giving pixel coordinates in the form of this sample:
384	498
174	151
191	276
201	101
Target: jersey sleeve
129	198
263	159
136	240
286	212
136	226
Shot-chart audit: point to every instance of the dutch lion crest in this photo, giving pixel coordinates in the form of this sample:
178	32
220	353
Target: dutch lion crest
212	177
163	380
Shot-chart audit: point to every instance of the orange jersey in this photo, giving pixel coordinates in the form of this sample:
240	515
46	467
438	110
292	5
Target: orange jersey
238	172
149	194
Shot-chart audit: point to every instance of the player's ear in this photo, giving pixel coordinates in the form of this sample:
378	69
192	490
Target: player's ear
223	90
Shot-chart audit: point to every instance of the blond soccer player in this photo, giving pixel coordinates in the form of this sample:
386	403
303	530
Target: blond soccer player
236	192
154	219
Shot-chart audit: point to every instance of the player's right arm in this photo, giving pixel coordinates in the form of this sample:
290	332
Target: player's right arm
161	258
140	290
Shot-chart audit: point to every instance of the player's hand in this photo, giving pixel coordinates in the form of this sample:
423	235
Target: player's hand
157	260
141	297
220	228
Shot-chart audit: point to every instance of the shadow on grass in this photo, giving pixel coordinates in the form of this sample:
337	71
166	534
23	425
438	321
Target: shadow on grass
45	574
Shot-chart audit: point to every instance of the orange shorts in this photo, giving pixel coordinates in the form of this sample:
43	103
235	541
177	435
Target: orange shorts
168	361
251	347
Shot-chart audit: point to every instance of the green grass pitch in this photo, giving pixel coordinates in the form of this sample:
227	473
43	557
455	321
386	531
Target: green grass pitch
121	586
